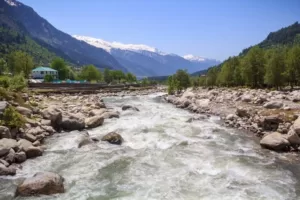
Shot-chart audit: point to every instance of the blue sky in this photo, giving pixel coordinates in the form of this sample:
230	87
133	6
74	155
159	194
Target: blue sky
209	28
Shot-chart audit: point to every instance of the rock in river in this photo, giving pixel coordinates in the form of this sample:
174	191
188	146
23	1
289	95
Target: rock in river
43	183
275	141
113	138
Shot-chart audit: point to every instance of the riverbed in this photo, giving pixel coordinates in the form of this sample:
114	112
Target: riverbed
163	158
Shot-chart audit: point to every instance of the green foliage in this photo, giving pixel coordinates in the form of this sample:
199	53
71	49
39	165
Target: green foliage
20	62
48	78
275	69
4	81
178	82
61	67
18	83
12	119
107	76
90	73
130	78
293	65
145	82
3	66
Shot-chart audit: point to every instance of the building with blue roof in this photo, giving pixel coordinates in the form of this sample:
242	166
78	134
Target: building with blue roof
41	72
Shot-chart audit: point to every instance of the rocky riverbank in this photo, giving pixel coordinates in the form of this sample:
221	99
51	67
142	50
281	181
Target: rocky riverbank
45	115
271	115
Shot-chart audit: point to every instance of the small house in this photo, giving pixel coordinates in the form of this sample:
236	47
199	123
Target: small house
41	72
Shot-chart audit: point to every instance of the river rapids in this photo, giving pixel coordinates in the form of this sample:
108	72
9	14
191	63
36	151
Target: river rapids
163	158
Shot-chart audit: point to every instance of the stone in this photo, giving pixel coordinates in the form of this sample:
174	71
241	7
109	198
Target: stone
46	122
33	152
110	114
270	123
71	124
6	145
32	122
246	98
113	138
54	115
128	107
7	171
296	125
5	163
10	157
93	122
20	157
48	129
3	106
100	105
30	137
24	145
42	183
292	137
35	131
24	111
231	117
273	105
275	141
4	132
242	112
84	140
36	143
203	103
97	112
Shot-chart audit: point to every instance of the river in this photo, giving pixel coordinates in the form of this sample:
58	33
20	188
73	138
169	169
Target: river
163	158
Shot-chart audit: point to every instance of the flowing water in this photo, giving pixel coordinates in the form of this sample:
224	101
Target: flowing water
163	157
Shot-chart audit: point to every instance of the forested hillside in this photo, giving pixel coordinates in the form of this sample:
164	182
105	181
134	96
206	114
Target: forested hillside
275	62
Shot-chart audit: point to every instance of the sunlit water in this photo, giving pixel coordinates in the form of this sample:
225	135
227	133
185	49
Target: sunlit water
163	157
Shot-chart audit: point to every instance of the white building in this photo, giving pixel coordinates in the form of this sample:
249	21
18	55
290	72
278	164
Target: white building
41	72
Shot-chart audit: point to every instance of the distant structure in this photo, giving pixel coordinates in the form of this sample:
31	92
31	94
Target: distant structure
41	72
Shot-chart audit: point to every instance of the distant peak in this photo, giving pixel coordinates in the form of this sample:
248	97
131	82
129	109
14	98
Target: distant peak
194	58
12	2
115	45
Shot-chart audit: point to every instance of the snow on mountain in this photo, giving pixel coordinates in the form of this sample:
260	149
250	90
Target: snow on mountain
12	2
193	58
107	46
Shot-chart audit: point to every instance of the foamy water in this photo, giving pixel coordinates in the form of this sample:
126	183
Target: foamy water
163	157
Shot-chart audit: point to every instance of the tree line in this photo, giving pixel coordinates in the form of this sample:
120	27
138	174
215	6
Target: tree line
258	68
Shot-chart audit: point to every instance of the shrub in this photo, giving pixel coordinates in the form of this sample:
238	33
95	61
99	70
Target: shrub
17	83
12	119
48	78
4	81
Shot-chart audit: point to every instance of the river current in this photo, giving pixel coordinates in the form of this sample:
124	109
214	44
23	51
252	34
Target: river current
163	158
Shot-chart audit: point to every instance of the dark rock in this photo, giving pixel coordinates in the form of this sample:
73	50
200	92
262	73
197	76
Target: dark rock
4	132
33	152
71	124
128	107
113	138
7	171
20	157
10	157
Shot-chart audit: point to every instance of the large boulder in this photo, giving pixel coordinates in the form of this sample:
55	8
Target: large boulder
231	117
54	115
6	145
296	125
20	157
93	122
275	141
24	145
24	111
10	157
292	137
113	138
4	132
43	183
273	105
71	124
30	137
33	152
128	107
270	123
246	98
7	171
202	102
35	131
188	94
97	112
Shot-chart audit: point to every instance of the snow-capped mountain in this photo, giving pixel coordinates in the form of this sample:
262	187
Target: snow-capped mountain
144	60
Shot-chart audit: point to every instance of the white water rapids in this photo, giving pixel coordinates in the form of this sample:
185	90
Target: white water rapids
163	158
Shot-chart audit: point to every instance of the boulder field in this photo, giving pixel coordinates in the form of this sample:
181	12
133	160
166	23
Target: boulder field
271	115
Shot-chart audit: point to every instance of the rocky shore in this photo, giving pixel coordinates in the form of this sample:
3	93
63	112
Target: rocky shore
45	115
271	115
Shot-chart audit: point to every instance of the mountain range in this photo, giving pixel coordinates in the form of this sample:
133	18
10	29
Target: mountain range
142	60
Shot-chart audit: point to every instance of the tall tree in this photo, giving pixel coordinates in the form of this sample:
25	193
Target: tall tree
183	79
293	65
254	67
20	62
91	73
211	76
3	66
275	68
61	67
107	76
130	78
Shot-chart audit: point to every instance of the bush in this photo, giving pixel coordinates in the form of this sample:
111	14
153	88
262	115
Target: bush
4	81
17	83
12	119
48	78
4	94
